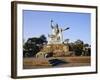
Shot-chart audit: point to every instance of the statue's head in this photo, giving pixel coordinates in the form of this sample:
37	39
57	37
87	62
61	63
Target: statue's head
56	29
56	26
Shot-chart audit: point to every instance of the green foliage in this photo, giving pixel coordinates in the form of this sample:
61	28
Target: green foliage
33	45
79	47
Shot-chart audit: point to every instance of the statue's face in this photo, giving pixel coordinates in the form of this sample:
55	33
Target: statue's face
56	30
56	26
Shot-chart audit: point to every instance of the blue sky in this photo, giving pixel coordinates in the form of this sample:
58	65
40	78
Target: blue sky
36	23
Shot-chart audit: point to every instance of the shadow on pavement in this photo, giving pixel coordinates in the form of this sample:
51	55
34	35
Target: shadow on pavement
56	62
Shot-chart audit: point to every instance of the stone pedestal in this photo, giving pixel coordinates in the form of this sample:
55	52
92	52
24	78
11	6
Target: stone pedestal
57	50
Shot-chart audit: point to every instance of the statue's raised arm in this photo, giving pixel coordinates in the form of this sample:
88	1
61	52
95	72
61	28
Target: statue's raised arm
51	24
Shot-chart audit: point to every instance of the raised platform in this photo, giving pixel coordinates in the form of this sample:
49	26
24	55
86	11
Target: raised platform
54	50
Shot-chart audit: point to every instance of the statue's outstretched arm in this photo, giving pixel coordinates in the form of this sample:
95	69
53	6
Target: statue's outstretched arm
66	29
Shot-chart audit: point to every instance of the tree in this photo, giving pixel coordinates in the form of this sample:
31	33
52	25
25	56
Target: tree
30	49
86	45
43	38
71	46
33	46
79	42
87	49
78	47
66	41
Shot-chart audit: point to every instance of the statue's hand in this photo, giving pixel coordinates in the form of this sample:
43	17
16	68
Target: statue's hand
66	29
51	20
